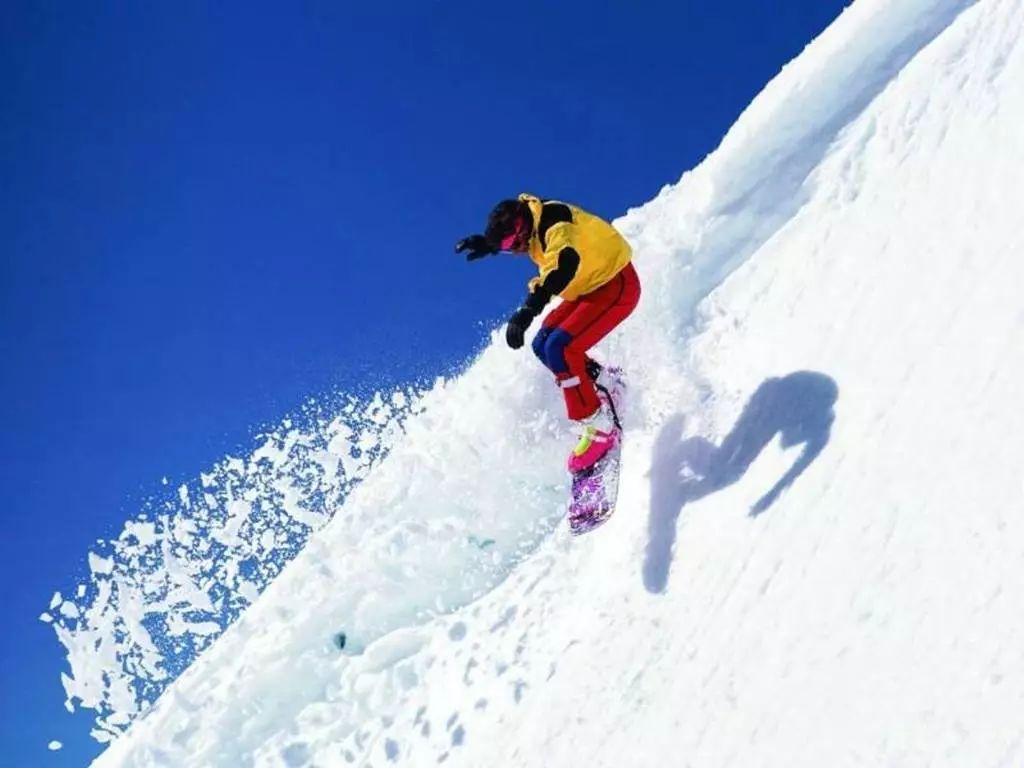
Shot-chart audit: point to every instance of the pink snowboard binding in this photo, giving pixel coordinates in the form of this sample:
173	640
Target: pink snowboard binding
592	447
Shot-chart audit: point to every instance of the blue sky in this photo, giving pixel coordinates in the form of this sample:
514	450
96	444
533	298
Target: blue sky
211	212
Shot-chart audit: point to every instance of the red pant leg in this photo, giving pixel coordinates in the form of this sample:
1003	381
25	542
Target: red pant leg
559	314
591	319
551	322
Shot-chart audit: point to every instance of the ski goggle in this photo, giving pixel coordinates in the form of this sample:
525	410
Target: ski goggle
513	238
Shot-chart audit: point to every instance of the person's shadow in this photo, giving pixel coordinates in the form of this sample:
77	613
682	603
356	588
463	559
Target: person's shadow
798	407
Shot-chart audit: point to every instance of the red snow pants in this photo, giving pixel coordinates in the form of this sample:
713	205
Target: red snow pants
573	327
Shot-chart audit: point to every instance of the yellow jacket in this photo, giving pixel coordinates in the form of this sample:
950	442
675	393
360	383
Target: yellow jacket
576	252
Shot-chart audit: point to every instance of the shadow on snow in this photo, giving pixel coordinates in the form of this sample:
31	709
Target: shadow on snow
797	407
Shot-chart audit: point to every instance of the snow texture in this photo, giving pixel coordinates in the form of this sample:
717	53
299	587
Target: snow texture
187	567
819	554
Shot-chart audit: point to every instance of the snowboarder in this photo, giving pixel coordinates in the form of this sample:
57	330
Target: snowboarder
587	263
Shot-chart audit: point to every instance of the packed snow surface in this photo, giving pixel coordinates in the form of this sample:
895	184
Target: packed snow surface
818	558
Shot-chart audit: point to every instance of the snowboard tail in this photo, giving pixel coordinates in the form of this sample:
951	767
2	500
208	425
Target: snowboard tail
594	491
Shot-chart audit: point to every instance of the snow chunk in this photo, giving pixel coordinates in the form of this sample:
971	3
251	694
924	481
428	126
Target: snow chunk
102	566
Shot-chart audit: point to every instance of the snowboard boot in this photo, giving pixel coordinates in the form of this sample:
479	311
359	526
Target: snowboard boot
598	434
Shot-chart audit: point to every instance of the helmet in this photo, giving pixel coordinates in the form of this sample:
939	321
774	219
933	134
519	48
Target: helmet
510	225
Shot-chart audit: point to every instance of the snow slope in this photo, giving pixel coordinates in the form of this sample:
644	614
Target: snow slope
819	555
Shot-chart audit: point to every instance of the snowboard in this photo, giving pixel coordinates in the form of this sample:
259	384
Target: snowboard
595	489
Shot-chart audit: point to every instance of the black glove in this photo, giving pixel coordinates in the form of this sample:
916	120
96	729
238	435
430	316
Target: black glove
477	245
517	325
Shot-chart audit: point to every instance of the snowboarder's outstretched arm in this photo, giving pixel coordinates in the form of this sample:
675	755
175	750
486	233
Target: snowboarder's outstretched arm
475	247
